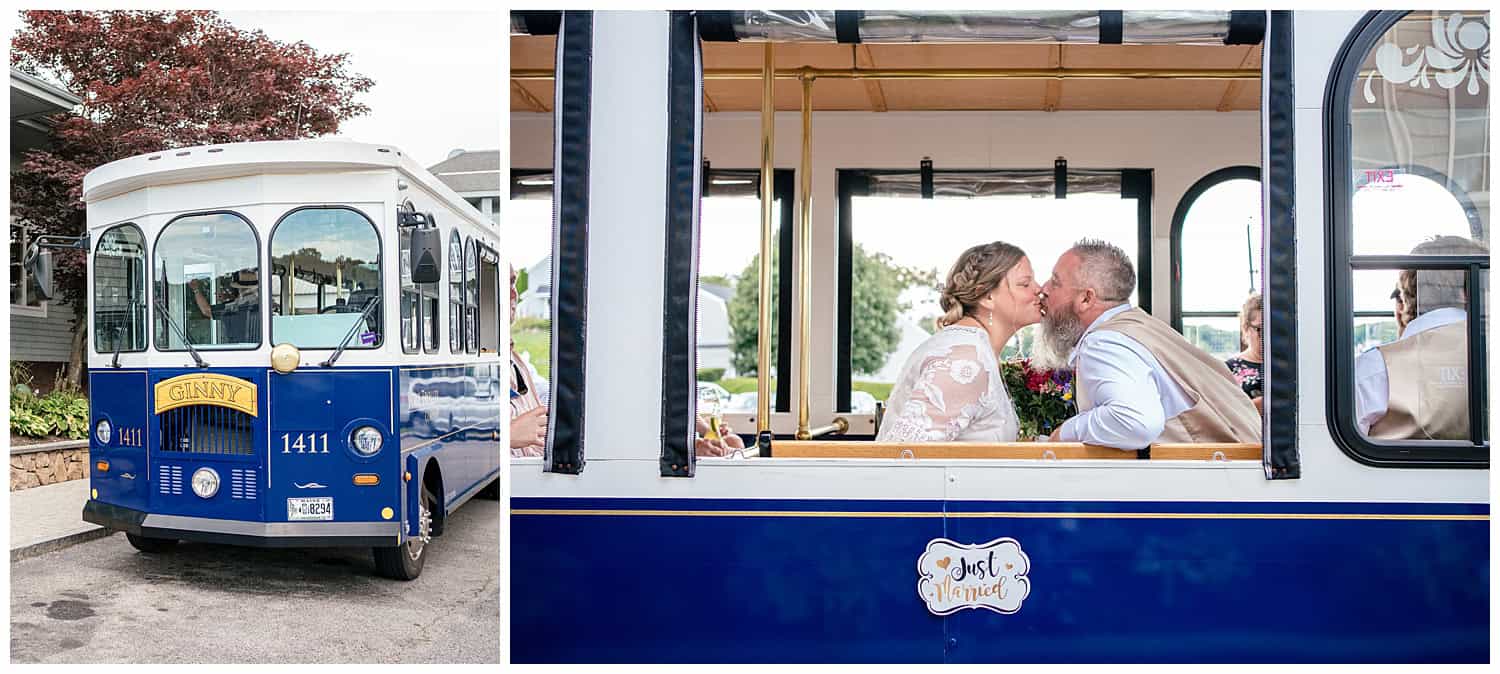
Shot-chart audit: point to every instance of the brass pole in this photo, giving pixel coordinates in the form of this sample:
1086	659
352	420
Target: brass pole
767	194
958	74
804	267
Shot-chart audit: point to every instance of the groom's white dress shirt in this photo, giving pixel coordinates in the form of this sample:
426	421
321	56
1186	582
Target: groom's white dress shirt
1132	395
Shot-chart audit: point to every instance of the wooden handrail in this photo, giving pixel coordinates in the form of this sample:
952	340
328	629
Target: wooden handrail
825	449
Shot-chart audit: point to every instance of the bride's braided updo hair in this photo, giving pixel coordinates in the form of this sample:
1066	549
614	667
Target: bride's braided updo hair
976	272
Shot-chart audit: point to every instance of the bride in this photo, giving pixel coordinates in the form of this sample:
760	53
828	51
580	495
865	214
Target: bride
950	388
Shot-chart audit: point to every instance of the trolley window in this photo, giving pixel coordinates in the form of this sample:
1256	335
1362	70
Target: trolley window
208	283
325	271
1409	259
728	281
894	277
410	305
471	296
455	293
431	316
1216	258
120	290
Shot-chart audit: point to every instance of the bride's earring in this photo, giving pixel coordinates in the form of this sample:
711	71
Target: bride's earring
992	318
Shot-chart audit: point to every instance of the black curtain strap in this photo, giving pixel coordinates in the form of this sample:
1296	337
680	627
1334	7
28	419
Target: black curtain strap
716	26
537	22
846	25
1111	26
1060	178
680	278
926	169
1246	26
575	56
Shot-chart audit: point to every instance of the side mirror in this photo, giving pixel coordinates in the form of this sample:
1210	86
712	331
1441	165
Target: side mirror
426	250
38	265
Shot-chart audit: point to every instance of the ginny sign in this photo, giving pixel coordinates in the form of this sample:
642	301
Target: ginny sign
952	577
206	389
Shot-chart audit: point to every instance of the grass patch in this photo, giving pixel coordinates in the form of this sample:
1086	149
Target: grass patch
881	391
742	384
539	344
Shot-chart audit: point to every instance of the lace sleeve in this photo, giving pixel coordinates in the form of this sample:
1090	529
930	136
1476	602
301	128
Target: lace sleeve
949	391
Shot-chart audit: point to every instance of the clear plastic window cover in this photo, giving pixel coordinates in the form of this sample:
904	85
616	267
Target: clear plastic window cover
969	184
1072	26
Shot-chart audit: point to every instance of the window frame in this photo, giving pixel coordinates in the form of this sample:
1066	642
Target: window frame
260	272
1179	219
1135	183
403	236
147	291
471	308
379	261
1341	263
23	309
456	299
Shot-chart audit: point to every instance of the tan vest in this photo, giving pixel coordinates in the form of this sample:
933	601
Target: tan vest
1221	412
1429	388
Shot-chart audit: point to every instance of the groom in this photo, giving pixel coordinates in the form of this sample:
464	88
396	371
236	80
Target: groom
1137	380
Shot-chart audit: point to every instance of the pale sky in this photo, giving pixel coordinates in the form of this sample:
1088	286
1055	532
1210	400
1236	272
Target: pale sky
438	76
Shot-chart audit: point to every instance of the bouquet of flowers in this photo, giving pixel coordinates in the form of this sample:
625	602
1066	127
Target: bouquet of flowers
1043	398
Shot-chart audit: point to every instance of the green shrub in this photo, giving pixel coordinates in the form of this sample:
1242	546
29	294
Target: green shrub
62	413
710	374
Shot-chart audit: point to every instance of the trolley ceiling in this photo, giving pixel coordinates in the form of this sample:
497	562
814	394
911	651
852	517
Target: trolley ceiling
537	53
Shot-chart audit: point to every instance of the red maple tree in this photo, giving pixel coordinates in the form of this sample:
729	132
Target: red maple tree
155	80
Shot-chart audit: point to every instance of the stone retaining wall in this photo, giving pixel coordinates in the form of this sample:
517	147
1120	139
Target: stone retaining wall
49	466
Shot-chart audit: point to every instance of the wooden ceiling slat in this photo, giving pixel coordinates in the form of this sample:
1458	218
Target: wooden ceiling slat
863	58
528	99
1232	90
528	52
1054	87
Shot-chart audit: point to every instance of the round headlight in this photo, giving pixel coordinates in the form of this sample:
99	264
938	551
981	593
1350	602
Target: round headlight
366	440
205	482
102	431
285	358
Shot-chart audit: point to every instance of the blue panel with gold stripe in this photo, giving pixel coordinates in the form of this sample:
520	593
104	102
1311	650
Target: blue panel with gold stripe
757	580
454	410
281	445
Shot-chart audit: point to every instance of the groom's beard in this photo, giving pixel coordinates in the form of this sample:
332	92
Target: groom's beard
1060	332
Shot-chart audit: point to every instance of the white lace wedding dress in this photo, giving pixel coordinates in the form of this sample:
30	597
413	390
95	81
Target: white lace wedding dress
950	391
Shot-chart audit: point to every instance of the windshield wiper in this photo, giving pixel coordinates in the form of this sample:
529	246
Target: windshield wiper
363	315
162	307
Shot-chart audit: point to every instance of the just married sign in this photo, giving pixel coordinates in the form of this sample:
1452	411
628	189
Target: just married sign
952	576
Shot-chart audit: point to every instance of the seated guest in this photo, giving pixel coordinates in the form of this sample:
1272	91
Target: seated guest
1416	388
727	443
1137	380
1406	286
528	416
1247	365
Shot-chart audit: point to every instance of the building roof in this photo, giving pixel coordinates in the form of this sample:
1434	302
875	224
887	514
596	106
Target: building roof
470	172
32	103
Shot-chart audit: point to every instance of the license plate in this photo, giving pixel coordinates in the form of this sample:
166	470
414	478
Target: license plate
320	508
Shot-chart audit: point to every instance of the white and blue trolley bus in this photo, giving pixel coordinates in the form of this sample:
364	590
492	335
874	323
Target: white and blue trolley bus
282	355
1323	543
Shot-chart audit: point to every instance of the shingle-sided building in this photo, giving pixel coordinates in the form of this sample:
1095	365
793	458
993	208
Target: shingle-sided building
40	331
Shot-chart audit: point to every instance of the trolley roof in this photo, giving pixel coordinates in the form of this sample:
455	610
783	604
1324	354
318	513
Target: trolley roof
230	160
